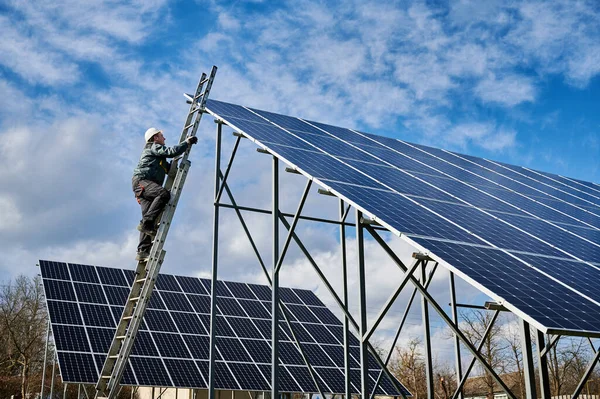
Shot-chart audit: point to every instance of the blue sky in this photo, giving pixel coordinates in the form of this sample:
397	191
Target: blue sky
514	81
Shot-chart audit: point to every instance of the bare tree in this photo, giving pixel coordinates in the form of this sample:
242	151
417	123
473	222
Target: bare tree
408	366
566	364
512	336
23	325
474	323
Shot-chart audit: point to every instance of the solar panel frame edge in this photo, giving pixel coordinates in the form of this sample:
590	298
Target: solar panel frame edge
512	308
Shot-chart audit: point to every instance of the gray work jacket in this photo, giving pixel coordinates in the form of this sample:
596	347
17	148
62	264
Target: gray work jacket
153	164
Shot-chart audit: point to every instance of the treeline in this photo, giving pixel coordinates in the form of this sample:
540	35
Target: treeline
567	361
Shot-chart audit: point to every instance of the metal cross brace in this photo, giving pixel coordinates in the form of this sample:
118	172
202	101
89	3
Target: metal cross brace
453	326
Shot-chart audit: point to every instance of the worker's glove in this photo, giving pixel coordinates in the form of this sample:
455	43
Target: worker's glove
192	140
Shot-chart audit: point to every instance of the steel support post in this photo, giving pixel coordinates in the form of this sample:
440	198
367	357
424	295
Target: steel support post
528	366
458	362
542	366
64	389
45	360
362	301
426	336
275	286
586	375
343	214
215	261
53	370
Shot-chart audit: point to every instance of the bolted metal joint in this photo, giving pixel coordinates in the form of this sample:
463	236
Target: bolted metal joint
325	192
421	256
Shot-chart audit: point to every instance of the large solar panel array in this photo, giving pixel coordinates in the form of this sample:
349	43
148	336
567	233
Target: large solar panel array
526	238
172	346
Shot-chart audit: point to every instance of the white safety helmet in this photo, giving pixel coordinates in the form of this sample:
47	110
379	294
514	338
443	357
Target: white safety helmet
150	133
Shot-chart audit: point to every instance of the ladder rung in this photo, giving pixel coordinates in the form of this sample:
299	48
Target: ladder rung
189	126
114	357
137	298
204	80
140	280
121	336
106	377
127	317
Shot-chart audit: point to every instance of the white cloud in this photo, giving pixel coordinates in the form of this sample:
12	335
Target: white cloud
506	90
485	135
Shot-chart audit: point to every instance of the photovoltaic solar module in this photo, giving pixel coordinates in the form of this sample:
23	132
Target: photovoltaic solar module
528	239
172	346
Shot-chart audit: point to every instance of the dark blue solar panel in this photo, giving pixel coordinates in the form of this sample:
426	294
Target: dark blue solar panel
159	320
175	301
336	354
286	382
286	295
338	332
402	214
128	377
167	282
584	250
188	323
345	134
201	303
269	134
230	307
112	276
150	371
232	350
261	291
325	315
116	295
97	315
170	345
526	289
92	293
143	346
70	338
333	378
83	273
185	373
176	335
199	346
301	334
223	377
232	110
249	376
191	285
308	297
240	290
100	338
316	355
321	334
61	290
255	309
55	270
64	312
78	367
303	377
244	327
323	166
259	350
222	289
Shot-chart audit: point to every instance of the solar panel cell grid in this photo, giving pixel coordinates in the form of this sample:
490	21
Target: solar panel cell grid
77	367
175	301
61	290
172	346
91	293
83	273
191	285
55	270
167	282
112	276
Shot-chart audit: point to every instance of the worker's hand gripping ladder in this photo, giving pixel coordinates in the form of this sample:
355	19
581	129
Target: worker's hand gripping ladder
146	273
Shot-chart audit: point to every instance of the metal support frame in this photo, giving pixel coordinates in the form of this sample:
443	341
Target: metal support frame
359	324
528	367
542	366
458	360
427	335
45	359
275	285
362	307
215	263
53	371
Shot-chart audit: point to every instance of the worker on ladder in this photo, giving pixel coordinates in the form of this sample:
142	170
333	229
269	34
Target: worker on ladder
147	183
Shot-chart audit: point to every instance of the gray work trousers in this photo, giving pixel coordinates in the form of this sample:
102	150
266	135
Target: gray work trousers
153	198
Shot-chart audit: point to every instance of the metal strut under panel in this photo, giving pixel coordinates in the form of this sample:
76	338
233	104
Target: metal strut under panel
147	272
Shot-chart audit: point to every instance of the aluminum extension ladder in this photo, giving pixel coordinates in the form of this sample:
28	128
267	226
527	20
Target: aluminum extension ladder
146	273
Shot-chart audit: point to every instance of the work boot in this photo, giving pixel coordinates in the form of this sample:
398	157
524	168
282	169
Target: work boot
147	228
142	256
